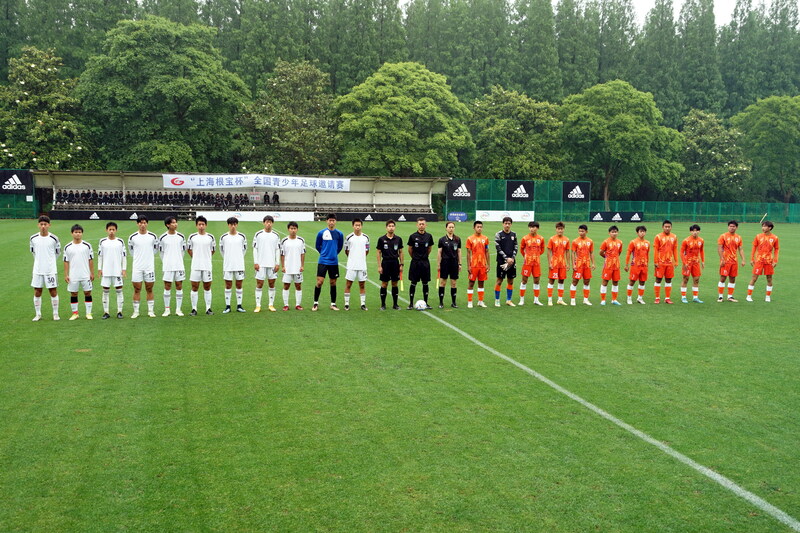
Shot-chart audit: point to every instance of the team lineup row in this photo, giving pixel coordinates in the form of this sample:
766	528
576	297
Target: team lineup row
273	255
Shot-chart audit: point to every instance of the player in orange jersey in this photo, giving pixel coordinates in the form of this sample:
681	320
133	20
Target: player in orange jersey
763	259
693	256
665	257
729	245
478	261
557	255
610	250
636	261
582	264
531	247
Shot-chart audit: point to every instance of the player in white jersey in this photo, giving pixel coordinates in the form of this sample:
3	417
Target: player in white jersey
232	246
267	254
293	260
45	247
111	266
79	271
356	247
172	246
201	246
143	246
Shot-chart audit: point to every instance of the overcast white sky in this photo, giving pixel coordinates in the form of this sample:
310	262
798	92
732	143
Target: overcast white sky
723	9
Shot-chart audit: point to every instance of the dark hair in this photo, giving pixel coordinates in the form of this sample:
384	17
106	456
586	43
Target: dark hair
448	223
201	218
694	227
292	223
390	221
44	218
533	224
666	222
768	223
232	220
356	220
474	224
109	224
76	227
142	218
169	219
640	228
613	228
560	225
331	216
584	227
268	217
733	222
421	219
507	219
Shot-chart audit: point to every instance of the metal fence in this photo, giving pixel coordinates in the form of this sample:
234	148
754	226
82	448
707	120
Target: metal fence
744	212
17	206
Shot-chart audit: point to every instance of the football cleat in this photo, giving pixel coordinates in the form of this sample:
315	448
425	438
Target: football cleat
257	309
363	307
271	308
334	308
135	314
74	316
285	307
668	301
509	303
298	307
37	318
89	317
209	312
165	313
240	309
615	302
227	309
697	300
105	316
119	315
193	312
481	303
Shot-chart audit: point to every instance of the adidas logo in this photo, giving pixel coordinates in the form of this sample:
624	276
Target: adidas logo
520	193
598	217
368	217
636	218
401	218
13	184
616	217
576	193
94	216
462	191
133	217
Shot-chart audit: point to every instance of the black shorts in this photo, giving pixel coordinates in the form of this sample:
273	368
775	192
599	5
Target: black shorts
391	270
509	273
448	269
420	271
331	270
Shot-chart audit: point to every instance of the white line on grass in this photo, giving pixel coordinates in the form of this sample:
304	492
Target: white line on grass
741	492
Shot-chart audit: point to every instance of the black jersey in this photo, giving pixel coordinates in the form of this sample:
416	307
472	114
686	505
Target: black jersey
450	247
506	245
390	248
420	243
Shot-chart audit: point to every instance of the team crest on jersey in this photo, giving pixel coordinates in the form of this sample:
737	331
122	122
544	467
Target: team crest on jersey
395	247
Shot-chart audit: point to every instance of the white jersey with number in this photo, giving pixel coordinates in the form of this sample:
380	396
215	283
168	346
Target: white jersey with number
266	249
143	247
356	247
45	250
172	247
78	257
111	257
202	246
232	248
292	251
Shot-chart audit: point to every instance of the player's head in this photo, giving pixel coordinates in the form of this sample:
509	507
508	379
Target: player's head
44	224
450	227
292	227
421	224
767	226
533	227
199	219
111	229
390	226
477	226
732	226
641	231
583	229
169	221
44	218
694	227
560	225
613	231
507	224
142	218
268	218
357	223
110	224
77	231
666	226
331	219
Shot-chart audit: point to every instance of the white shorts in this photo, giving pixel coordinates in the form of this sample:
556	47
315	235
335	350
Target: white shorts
356	275
148	276
50	281
231	275
109	281
174	275
266	273
200	275
293	278
84	285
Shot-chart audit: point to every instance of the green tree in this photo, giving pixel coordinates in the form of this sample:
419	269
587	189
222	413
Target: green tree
180	11
536	64
38	125
159	99
426	31
515	137
615	45
771	139
782	68
402	121
11	12
701	80
290	122
742	53
613	135
577	36
715	168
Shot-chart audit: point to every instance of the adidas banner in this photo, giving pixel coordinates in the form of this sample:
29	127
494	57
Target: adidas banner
383	217
16	182
616	216
117	216
461	190
576	191
519	191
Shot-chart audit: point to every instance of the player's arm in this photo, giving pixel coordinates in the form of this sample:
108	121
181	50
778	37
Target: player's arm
628	256
430	247
91	269
302	262
549	257
740	251
675	256
486	254
189	247
591	255
439	259
100	261
498	247
603	250
721	250
66	268
318	242
777	248
753	252
378	256
459	257
469	256
702	255
400	256
283	262
339	242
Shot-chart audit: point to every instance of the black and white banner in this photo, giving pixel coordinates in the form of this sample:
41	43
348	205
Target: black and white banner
519	191
616	216
16	182
576	191
461	190
250	181
383	217
117	216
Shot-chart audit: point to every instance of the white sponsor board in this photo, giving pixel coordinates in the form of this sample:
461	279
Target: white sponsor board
249	181
258	216
497	216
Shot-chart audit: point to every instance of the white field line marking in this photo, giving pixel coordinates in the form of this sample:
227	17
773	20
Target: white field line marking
741	492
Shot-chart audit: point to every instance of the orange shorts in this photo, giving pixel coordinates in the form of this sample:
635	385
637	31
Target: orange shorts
763	268
534	270
582	272
610	274
665	271
729	269
638	273
558	273
692	270
478	274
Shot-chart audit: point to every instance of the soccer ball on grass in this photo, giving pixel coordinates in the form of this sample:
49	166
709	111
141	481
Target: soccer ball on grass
420	305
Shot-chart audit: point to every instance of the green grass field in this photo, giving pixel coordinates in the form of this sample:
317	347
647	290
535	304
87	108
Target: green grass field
392	421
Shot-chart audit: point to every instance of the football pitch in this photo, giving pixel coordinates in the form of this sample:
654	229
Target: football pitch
639	418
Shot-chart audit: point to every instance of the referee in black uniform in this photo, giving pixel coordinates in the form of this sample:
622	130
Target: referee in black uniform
449	262
420	244
390	262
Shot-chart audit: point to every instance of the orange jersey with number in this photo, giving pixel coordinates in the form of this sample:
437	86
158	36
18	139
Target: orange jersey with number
559	246
692	250
639	249
479	246
665	249
763	247
532	248
730	243
583	249
613	249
